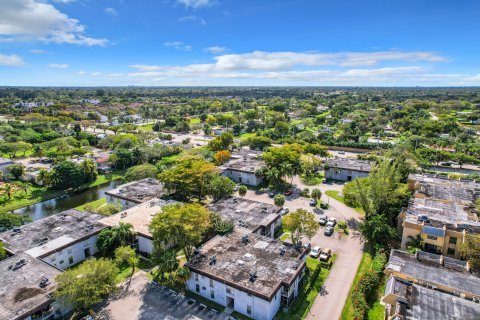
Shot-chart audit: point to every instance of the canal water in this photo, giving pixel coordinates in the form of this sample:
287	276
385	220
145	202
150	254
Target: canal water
56	205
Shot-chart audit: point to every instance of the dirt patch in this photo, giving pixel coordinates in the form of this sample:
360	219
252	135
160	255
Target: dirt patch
26	293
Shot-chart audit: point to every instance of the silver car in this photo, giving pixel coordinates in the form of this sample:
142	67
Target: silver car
315	252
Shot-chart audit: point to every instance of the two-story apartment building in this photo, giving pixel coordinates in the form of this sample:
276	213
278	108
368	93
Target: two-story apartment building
133	193
441	214
430	286
258	217
345	169
248	273
242	167
140	217
61	240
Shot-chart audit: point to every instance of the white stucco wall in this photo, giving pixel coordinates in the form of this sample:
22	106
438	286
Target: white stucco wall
260	309
61	259
243	177
145	245
342	174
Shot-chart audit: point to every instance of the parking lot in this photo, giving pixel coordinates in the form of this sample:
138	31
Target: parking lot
140	299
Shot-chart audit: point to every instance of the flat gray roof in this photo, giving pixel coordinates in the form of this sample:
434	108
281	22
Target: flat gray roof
428	267
350	164
138	191
236	261
246	165
20	293
444	202
53	232
245	213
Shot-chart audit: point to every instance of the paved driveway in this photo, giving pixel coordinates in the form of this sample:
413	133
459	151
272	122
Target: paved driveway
330	301
140	299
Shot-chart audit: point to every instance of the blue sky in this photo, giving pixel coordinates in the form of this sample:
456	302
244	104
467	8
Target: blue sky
247	42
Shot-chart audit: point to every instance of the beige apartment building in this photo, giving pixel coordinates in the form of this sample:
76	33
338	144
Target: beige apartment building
441	212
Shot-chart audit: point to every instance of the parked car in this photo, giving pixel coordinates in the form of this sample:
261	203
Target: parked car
323	219
331	222
313	202
237	186
446	164
324	181
284	211
325	255
288	192
328	231
271	194
324	205
341	152
315	252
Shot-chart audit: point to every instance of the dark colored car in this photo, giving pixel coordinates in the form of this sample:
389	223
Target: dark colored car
271	194
328	231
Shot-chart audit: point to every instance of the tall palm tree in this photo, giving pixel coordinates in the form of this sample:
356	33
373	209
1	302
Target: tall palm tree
166	261
7	189
23	187
122	233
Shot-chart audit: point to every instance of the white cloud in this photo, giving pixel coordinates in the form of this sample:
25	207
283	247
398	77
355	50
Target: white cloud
261	60
178	45
215	49
38	51
111	11
11	60
64	1
27	20
195	3
192	18
58	65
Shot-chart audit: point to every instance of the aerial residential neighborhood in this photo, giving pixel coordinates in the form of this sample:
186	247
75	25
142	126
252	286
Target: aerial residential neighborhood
239	160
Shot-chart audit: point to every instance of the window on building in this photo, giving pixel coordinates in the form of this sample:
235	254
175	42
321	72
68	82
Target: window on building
249	310
52	259
431	237
452	240
203	288
61	261
196	276
70	259
197	287
229	290
451	251
211	283
212	294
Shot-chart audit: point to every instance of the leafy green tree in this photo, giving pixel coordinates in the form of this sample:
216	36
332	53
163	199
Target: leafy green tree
110	239
471	248
77	129
257	142
166	261
242	190
86	285
219	225
108	209
301	223
316	194
10	220
221	142
189	178
279	200
377	230
67	175
125	256
89	170
17	170
182	224
207	130
220	187
282	161
140	172
8	189
3	252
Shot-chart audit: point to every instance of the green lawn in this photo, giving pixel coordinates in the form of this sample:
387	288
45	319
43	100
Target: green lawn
246	135
37	194
334	194
195	121
300	308
376	311
313	179
95	204
146	127
285	236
